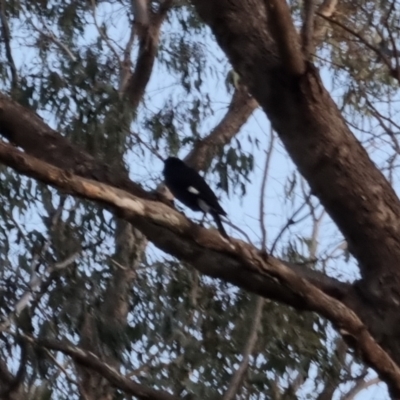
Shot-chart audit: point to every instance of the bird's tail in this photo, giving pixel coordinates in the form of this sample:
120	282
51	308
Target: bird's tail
218	221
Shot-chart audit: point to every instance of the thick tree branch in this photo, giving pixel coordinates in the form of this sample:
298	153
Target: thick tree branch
202	240
140	11
174	233
94	363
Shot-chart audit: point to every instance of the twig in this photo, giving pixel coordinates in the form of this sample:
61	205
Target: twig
236	228
62	368
289	222
61	45
51	37
148	147
263	186
316	222
360	385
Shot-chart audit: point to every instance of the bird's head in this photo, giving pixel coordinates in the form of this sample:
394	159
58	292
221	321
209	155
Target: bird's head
172	162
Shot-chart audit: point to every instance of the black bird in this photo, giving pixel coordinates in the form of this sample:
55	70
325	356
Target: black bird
192	190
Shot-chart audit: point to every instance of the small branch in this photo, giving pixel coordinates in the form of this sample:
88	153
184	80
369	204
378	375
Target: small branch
237	378
393	72
126	64
288	223
307	31
148	147
360	385
285	35
58	43
62	369
7	44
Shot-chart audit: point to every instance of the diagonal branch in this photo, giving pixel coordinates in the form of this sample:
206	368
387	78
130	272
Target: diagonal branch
148	45
207	251
241	107
94	363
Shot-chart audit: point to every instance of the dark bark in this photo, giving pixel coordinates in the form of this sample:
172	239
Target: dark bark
354	192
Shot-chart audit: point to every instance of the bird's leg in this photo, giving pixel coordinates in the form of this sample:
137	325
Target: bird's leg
203	219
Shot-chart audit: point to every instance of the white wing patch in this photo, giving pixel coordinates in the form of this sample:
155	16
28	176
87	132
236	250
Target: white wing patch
203	206
193	190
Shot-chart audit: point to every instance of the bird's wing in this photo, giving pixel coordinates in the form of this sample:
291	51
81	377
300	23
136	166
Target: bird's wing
201	188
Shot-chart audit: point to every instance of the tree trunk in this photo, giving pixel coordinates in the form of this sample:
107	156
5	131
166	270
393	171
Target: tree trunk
354	192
